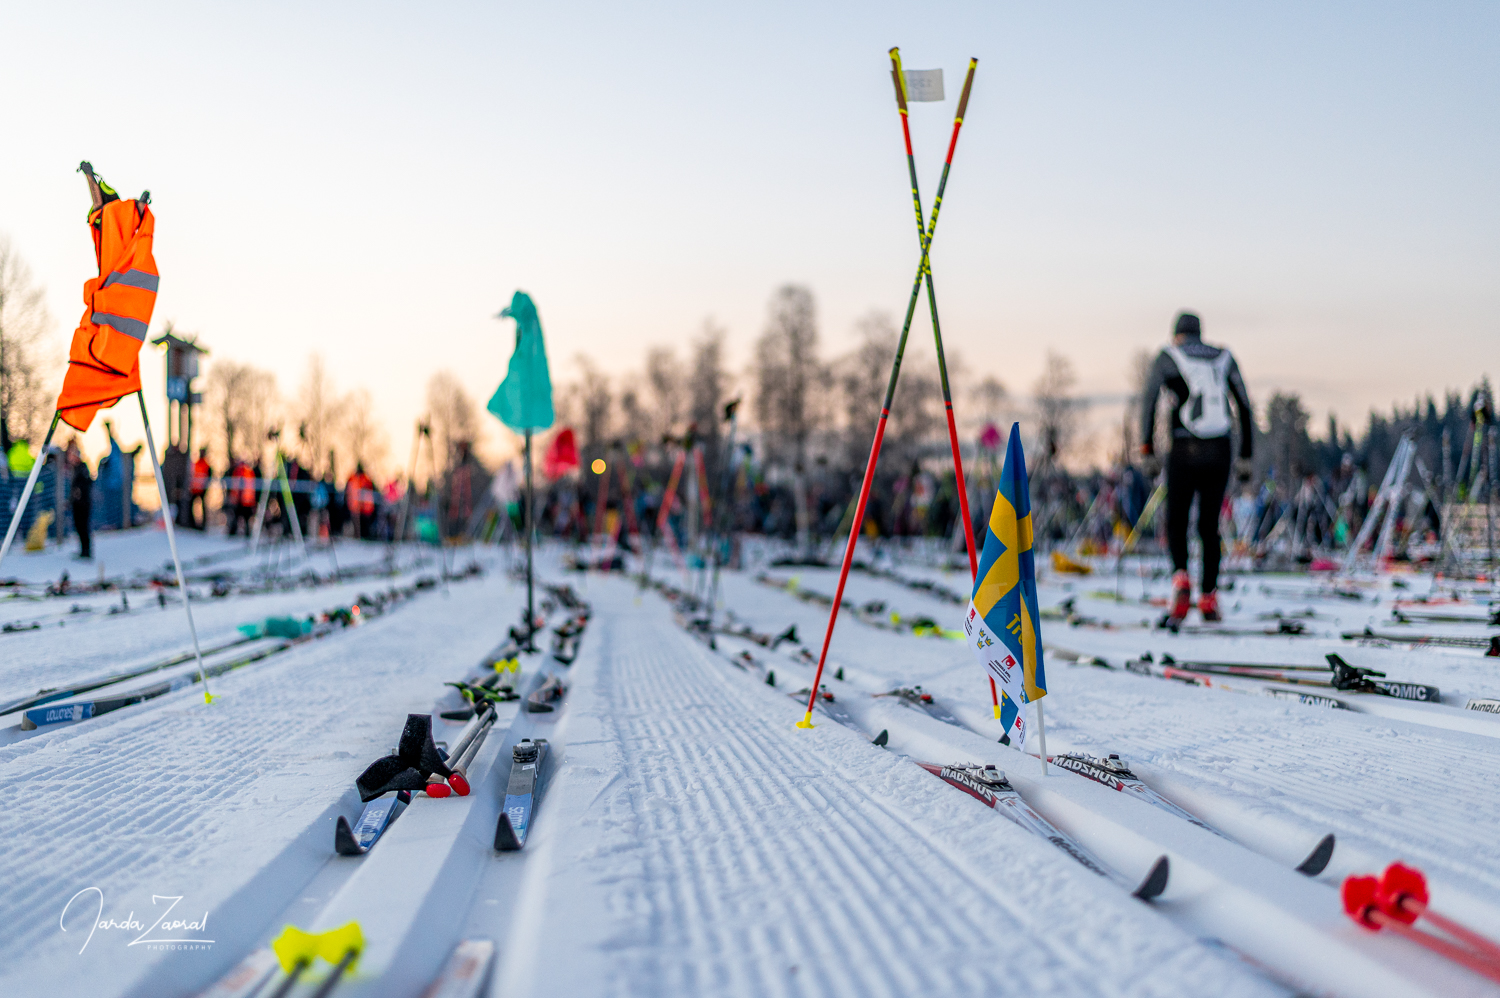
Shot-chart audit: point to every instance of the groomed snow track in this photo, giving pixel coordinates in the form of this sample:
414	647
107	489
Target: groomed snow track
696	842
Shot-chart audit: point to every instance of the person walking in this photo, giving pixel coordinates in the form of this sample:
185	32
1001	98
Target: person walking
1203	378
240	498
360	493
81	499
198	491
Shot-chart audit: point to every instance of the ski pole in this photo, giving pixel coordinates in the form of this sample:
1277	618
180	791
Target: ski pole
1361	896
1403	892
937	331
874	458
937	334
166	519
36	470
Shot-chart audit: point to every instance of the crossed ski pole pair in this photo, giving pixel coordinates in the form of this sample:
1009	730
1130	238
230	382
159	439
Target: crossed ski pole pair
925	233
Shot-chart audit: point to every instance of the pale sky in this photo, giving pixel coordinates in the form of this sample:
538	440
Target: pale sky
373	180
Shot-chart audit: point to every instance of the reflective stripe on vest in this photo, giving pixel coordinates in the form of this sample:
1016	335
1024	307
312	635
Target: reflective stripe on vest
125	324
134	279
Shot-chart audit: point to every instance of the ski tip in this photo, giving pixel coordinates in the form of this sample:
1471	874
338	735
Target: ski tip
882	739
438	790
1156	881
1317	860
505	835
343	839
459	784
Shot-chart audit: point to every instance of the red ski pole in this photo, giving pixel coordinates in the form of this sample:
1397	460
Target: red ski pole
1363	902
1403	895
927	234
937	329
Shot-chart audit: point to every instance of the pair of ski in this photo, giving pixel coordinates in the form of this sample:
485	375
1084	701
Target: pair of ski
380	813
1342	677
89	685
1491	619
83	710
874	613
1491	644
989	786
292	953
1283	628
522	792
934	589
1109	771
921	699
387	785
1113	773
771	641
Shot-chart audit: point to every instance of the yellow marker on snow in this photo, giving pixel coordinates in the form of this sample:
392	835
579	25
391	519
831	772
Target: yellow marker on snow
806	721
997	712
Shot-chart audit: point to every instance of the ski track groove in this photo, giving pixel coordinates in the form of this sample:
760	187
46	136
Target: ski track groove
700	762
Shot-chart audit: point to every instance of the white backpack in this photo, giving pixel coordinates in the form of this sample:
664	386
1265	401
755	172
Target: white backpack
1205	414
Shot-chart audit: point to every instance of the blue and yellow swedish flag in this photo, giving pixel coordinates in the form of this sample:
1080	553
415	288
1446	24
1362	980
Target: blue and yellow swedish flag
1002	624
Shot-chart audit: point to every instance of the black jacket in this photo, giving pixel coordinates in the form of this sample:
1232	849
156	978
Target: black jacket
1164	373
81	493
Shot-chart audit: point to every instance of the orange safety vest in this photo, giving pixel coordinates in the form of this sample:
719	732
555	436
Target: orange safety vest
104	360
361	495
246	484
201	471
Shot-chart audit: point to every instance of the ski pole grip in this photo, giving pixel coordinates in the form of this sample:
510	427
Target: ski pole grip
963	98
897	80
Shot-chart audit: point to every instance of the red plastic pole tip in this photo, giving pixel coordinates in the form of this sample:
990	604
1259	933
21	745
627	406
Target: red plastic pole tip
438	790
459	784
1403	892
1361	900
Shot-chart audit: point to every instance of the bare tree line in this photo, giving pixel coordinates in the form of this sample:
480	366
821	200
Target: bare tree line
810	415
26	367
326	430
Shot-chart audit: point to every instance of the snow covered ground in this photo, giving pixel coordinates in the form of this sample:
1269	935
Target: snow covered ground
690	839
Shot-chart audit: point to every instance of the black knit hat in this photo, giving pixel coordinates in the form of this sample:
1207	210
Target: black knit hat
1187	325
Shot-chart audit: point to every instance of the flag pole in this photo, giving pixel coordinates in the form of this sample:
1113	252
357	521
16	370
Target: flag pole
885	408
937	330
1041	734
530	527
161	489
36	470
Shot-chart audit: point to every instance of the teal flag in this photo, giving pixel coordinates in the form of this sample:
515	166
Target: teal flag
524	399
